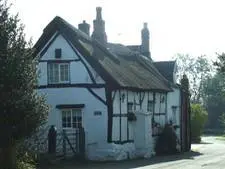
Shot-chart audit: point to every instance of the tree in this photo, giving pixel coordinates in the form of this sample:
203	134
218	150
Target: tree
220	63
213	99
197	70
198	119
22	110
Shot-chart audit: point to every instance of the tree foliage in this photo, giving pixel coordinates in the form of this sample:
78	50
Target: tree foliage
214	99
220	63
197	70
198	119
222	120
22	110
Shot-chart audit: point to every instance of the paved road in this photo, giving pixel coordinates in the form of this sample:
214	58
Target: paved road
208	155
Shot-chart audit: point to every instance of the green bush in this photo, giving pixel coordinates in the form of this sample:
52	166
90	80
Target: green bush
198	120
167	141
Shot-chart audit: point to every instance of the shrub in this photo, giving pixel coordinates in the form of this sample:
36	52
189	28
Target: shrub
198	119
167	141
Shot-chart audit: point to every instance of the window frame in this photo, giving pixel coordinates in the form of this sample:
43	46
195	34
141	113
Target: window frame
174	114
59	72
132	108
148	104
71	117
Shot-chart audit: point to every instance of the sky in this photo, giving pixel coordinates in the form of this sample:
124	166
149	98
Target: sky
195	27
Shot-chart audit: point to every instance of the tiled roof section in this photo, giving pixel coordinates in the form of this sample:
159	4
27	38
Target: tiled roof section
166	68
117	71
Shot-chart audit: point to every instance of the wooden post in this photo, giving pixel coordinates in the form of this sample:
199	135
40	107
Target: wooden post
82	142
52	140
64	142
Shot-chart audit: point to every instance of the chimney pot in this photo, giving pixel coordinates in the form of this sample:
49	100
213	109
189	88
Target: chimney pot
99	13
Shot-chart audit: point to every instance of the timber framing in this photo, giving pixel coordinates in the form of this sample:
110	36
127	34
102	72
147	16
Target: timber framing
69	85
97	96
109	103
159	114
60	60
69	106
123	142
127	119
80	57
120	116
49	44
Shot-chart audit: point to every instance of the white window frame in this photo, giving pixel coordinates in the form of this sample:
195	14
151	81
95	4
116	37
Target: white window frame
71	117
59	73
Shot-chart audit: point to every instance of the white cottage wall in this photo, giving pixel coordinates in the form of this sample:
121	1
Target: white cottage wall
95	125
59	42
78	72
174	100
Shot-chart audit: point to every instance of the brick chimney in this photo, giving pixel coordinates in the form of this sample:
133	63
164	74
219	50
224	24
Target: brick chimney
145	41
84	27
99	28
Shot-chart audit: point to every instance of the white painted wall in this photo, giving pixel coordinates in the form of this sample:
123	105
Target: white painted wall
95	126
78	73
174	100
67	51
143	134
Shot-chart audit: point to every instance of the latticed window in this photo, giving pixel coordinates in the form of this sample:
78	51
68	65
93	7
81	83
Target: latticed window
71	118
150	106
58	73
130	107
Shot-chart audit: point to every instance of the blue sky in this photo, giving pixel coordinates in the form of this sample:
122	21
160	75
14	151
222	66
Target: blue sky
176	26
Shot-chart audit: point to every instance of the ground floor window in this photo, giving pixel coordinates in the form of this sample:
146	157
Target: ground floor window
71	118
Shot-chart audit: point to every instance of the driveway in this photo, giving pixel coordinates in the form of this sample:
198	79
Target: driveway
208	155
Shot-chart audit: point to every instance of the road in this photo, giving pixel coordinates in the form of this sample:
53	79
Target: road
208	155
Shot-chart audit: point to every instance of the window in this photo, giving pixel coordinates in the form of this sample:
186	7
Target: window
174	111
130	107
71	118
150	106
58	73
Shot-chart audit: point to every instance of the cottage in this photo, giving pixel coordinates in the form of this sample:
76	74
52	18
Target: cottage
116	93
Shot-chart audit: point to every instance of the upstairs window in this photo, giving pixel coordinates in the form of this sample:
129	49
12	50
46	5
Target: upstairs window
58	73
